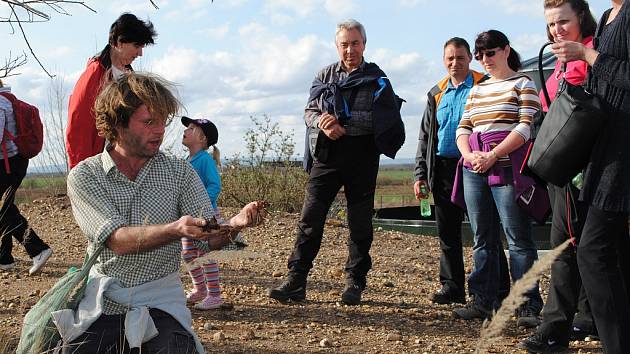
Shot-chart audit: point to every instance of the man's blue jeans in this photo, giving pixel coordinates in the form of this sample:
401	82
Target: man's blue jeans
489	208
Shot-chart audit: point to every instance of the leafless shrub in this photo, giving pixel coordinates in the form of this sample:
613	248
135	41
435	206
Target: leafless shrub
266	172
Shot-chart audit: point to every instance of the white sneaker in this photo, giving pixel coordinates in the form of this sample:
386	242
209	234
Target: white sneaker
7	266
211	302
40	260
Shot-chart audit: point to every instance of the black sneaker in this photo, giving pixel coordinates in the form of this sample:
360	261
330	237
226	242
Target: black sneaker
540	343
445	297
294	289
472	311
578	333
526	317
351	294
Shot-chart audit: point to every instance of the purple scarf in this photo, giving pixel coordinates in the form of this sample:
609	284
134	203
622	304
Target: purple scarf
529	195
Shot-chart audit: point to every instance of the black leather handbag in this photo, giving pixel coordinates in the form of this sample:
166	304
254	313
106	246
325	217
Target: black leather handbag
568	132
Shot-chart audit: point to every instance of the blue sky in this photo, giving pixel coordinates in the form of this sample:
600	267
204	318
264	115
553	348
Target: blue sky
235	58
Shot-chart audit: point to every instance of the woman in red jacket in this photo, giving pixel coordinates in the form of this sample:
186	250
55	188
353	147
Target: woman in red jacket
127	38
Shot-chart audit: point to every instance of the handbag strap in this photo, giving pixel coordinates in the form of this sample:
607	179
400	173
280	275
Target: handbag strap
542	74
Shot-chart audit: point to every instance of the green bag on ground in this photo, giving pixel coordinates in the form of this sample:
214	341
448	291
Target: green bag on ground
39	333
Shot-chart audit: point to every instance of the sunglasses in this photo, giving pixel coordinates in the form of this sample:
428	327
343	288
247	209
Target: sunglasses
487	53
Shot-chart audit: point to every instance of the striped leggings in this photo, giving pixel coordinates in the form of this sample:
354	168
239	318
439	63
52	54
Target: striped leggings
205	278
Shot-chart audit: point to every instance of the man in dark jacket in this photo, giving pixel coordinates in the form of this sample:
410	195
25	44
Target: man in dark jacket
436	160
352	116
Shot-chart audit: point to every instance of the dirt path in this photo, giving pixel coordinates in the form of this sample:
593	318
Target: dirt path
396	316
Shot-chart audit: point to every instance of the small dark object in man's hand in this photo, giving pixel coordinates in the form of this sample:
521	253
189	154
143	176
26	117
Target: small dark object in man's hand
211	224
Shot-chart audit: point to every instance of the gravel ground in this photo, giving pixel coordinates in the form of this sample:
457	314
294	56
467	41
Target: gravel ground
395	317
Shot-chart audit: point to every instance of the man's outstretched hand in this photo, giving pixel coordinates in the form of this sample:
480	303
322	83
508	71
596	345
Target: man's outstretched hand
252	214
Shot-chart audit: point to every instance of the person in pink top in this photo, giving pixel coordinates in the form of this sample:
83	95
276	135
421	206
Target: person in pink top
567	20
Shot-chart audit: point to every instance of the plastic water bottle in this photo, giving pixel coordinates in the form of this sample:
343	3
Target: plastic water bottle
425	206
578	181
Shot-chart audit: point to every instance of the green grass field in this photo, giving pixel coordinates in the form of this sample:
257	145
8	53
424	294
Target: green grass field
394	187
37	186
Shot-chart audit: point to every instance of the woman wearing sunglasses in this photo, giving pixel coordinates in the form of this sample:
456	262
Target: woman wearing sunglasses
606	187
491	137
567	20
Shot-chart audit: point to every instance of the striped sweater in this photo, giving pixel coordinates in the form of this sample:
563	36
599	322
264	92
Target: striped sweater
503	105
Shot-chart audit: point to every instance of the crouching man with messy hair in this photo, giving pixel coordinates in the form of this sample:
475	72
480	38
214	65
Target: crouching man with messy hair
136	203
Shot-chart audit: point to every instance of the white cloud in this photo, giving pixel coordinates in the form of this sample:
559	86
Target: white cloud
290	120
216	32
411	3
283	12
177	64
186	14
197	3
295	8
228	3
528	45
118	7
58	52
339	9
517	7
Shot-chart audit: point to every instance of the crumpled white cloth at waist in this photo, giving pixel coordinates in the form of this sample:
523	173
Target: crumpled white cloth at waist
166	294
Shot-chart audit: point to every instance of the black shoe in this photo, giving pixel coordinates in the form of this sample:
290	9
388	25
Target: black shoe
445	297
294	289
526	317
578	333
472	311
540	343
352	293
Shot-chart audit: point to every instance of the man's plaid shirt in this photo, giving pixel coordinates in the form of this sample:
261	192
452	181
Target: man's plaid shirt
103	200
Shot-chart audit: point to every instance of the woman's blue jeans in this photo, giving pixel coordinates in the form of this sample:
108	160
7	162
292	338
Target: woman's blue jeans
489	208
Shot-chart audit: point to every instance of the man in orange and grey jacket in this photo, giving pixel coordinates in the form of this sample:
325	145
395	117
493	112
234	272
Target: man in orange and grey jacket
436	161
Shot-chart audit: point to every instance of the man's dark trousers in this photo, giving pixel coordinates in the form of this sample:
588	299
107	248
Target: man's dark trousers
352	163
449	219
106	336
12	223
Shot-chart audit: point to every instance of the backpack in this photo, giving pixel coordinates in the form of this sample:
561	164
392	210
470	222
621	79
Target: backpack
30	130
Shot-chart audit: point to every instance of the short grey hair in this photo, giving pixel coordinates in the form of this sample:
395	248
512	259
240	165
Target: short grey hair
351	24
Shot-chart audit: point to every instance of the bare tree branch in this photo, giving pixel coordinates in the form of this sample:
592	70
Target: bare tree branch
11	64
32	14
31	11
29	44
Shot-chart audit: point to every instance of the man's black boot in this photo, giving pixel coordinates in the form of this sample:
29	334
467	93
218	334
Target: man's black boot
351	294
294	288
